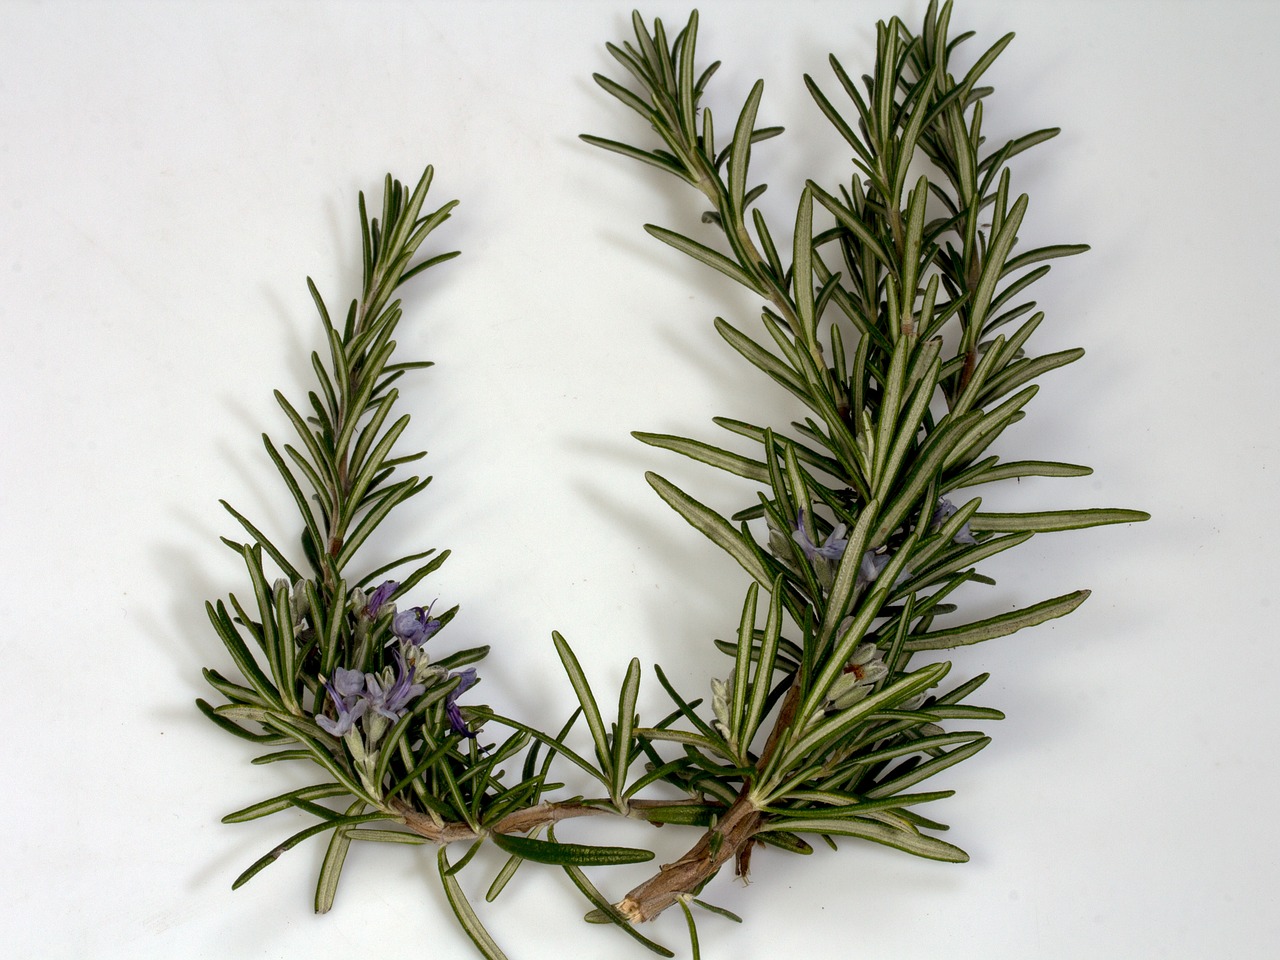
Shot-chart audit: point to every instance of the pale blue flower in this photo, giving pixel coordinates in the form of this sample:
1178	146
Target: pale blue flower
458	724
349	683
346	691
870	567
380	596
392	701
942	512
414	625
832	548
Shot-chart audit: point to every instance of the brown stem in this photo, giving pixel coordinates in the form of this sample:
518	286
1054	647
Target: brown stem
523	821
730	838
786	715
424	826
966	374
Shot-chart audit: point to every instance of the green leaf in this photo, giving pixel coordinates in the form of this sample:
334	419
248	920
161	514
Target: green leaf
715	527
836	120
622	734
802	269
844	586
334	857
909	746
999	626
706	255
1016	146
763	680
320	755
988	471
369	468
394	496
562	854
587	700
685	709
285	801
235	692
635	153
280	755
687	85
993	267
907	428
487	946
503	878
686	737
846	805
1044	253
287	650
914	843
265	861
422	572
705	453
299	498
289	570
828	731
605	911
233	728
762	358
742	669
981	433
1021	371
626	96
244	660
683	900
462	658
927	769
687	814
556	744
320	458
783	840
759	434
1051	520
850	221
386	836
932	458
720	911
740	151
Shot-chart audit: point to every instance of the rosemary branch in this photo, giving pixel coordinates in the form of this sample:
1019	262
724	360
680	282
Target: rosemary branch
891	323
861	545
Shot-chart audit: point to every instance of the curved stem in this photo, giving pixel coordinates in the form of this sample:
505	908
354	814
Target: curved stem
730	838
530	818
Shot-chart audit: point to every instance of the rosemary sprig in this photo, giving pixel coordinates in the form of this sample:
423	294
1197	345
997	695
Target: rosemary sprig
884	327
889	323
334	674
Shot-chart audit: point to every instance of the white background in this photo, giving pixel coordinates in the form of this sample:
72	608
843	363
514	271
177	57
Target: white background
169	173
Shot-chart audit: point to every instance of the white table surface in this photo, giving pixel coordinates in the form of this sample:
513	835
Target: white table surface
170	172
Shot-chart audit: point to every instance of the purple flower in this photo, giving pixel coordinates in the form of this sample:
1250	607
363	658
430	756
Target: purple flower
392	701
414	625
466	678
871	565
942	512
379	596
346	692
832	548
349	683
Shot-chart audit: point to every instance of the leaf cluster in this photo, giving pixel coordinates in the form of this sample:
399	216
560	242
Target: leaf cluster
411	774
887	319
315	619
896	315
